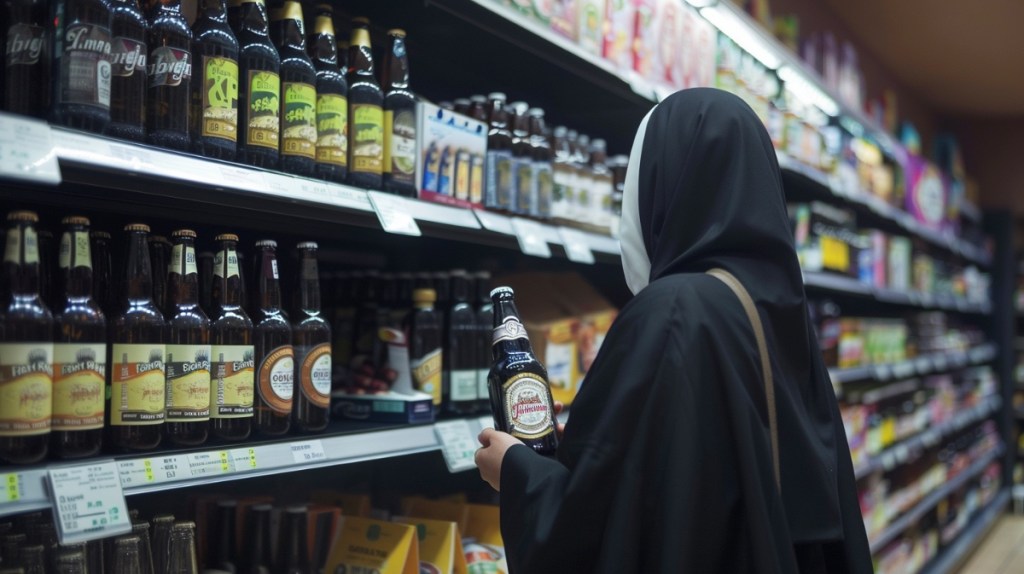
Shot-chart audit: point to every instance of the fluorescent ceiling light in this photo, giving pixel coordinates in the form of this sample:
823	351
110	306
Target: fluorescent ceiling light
807	91
742	32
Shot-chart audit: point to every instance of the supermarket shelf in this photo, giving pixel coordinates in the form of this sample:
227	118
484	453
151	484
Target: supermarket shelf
953	556
160	471
923	365
932	499
899	453
849	286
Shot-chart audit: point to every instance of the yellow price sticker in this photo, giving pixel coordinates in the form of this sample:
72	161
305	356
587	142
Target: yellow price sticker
252	458
13	482
225	465
148	465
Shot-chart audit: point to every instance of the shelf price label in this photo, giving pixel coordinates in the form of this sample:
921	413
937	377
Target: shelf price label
88	502
394	214
12	489
576	247
210	463
458	444
531	237
136	472
26	150
308	451
244	459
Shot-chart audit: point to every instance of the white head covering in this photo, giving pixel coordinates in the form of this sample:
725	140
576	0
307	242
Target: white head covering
636	263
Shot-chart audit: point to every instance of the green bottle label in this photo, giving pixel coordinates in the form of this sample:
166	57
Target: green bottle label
332	129
220	98
264	108
368	136
299	120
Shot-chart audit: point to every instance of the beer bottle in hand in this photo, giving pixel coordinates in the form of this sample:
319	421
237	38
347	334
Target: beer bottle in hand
215	88
259	87
135	411
520	394
311	337
232	353
170	76
128	84
331	99
272	339
81	64
79	350
188	347
399	119
298	90
26	348
366	117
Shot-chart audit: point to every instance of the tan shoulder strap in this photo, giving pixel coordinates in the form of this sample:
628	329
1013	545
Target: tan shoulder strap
766	366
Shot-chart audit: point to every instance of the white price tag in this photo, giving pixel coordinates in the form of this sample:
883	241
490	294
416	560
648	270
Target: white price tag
394	214
446	214
136	472
244	179
494	222
11	487
170	468
576	247
88	502
308	451
26	150
531	237
244	459
209	463
279	185
458	444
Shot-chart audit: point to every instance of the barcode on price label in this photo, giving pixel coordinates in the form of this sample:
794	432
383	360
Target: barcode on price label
308	451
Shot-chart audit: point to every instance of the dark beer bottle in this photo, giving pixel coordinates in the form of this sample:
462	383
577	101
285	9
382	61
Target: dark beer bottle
215	88
232	353
128	83
79	350
161	540
404	286
103	286
520	394
484	319
298	90
543	176
69	561
257	535
425	338
223	553
126	559
140	530
170	76
135	411
603	184
399	119
293	547
259	88
26	80
459	384
272	338
387	300
498	168
26	348
181	550
563	173
522	157
311	338
365	331
331	99
81	64
188	347
159	257
366	116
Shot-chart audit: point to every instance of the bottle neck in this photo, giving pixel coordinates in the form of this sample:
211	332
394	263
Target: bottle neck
360	57
215	10
309	283
509	334
227	283
76	262
21	259
397	66
460	290
137	280
324	47
183	275
254	18
268	283
288	34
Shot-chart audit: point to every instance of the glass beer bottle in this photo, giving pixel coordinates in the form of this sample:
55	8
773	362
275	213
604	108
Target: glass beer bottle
311	338
159	257
459	385
26	65
426	333
232	353
103	286
215	88
128	83
366	116
293	548
272	340
257	532
520	394
399	119
170	76
81	64
331	99
499	163
298	90
259	87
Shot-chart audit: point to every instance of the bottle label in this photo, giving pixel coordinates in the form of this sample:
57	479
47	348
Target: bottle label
509	330
127	56
188	383
218	265
231	381
12	251
85	67
462	385
476	179
315	373
524	186
498	192
483	390
560	192
79	373
137	392
26	386
528	406
400	149
169	67
332	129
299	120
277	379
189	253
368	139
543	185
264	127
462	176
426	374
25	44
220	98
77	242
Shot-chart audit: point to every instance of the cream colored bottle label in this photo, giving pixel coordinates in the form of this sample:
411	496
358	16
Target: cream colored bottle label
277	379
314	372
79	373
426	374
12	251
26	386
188	383
137	389
77	243
218	264
189	253
231	381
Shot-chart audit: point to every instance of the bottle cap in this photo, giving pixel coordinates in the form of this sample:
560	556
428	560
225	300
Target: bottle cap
137	227
75	220
23	215
307	245
424	296
478	99
482	275
361	20
536	112
266	243
501	291
226	237
497	96
184	233
396	32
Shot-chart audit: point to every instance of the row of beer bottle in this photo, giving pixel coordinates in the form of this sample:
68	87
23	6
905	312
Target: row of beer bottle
168	372
236	85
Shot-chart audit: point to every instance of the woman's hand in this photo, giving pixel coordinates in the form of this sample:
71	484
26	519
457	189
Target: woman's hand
489	457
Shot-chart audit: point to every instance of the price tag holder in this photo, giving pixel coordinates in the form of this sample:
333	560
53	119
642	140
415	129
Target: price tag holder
308	451
531	237
26	150
494	222
209	463
136	472
88	502
11	487
394	214
244	459
244	179
458	444
576	247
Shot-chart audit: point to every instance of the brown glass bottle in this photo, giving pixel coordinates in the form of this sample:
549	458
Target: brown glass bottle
484	320
603	184
79	350
520	394
298	90
498	167
563	174
293	546
104	288
425	339
399	118
125	557
222	554
188	347
140	530
160	541
311	339
159	257
129	82
522	158
331	99
215	88
543	176
33	559
26	347
69	561
81	64
272	340
232	353
26	80
170	67
459	384
257	535
365	111
181	549
259	87
135	408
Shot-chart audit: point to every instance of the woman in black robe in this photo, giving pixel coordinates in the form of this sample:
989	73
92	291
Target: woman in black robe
666	464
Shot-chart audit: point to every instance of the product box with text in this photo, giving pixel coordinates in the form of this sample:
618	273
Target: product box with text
452	150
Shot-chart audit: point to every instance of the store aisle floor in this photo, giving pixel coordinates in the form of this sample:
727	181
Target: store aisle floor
1002	552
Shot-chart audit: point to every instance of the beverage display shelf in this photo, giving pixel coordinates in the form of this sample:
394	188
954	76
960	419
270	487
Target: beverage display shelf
922	365
849	286
25	488
901	452
929	502
954	555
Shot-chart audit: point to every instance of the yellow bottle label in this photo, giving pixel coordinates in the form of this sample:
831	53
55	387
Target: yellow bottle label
26	386
231	381
77	243
332	129
476	179
368	138
299	120
79	373
264	122
220	98
188	383
137	389
426	374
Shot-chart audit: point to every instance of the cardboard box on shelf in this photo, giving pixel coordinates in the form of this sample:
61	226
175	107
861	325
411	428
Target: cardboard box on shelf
450	162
